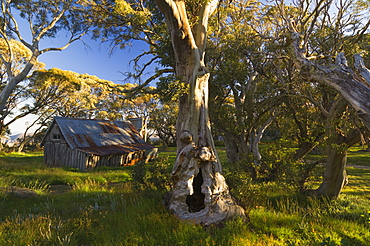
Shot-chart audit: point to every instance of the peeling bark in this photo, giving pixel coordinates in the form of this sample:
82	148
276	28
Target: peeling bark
364	71
209	201
354	88
200	193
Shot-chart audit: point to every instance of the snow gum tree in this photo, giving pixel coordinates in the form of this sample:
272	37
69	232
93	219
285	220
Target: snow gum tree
44	19
20	55
322	60
200	192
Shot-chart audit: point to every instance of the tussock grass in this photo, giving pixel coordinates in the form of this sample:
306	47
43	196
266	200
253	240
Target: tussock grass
100	207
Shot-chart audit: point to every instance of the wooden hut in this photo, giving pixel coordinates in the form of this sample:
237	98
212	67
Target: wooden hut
84	144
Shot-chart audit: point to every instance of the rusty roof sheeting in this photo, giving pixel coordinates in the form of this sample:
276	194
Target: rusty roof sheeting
116	149
101	137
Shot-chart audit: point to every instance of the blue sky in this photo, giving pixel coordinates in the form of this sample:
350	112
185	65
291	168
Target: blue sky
94	60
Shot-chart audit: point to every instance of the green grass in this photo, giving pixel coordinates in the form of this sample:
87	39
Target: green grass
358	184
170	152
357	156
100	207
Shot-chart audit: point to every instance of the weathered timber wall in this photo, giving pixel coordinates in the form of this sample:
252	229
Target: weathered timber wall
114	160
58	154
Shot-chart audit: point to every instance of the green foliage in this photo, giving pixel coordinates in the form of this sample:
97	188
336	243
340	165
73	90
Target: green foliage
155	175
170	88
70	94
277	164
163	121
41	13
16	53
366	217
20	55
136	17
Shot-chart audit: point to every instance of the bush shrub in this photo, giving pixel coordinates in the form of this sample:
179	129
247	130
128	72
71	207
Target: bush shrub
155	175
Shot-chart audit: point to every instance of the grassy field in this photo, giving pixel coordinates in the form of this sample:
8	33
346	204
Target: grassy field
101	207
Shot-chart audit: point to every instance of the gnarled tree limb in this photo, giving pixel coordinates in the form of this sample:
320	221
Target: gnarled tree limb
339	76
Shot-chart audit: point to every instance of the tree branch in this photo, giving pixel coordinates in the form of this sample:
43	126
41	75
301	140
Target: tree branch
183	42
16	29
360	65
71	40
138	88
340	77
200	29
7	63
50	26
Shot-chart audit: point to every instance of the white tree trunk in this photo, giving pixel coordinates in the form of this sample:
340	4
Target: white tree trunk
200	193
13	81
257	136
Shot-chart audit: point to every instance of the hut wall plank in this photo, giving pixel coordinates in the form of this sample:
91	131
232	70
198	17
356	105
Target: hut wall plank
57	153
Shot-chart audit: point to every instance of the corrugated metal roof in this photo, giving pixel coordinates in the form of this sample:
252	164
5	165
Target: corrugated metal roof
101	137
116	149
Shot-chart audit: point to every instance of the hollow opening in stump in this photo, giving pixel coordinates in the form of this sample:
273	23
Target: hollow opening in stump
195	201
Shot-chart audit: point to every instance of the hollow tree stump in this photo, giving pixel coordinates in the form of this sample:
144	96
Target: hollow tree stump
200	193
